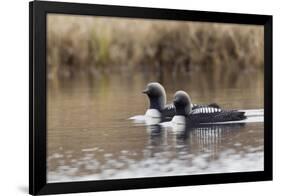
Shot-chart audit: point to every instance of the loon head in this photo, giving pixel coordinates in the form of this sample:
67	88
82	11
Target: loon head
182	103
156	94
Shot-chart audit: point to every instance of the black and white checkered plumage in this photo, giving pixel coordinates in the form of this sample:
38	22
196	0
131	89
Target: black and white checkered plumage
203	114
205	110
211	115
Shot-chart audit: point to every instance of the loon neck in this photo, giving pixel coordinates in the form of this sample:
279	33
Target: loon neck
157	103
181	112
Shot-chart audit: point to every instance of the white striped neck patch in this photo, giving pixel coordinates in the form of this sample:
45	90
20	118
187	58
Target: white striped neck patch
205	110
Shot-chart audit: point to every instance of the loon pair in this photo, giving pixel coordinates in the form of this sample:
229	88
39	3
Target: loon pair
183	111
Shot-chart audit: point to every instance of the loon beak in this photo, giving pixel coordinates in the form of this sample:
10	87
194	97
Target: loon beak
145	91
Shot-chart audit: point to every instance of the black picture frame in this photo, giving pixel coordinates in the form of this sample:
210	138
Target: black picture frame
37	97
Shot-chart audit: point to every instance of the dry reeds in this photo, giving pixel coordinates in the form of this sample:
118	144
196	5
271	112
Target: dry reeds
98	44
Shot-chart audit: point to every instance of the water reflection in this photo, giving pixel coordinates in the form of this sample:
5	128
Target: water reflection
201	136
204	149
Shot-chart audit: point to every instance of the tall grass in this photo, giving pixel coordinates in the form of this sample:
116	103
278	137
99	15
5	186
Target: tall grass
84	44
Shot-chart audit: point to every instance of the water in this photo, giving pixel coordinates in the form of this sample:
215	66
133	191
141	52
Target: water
91	138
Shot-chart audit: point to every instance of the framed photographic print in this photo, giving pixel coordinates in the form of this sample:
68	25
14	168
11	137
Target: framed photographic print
131	97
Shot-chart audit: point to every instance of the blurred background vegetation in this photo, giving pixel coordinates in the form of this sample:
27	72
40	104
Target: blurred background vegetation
101	45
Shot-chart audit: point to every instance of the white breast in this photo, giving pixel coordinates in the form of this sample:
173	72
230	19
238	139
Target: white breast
178	120
178	123
152	117
153	113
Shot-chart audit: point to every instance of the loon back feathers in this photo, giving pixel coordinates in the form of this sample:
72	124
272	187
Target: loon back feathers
220	116
211	105
205	110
